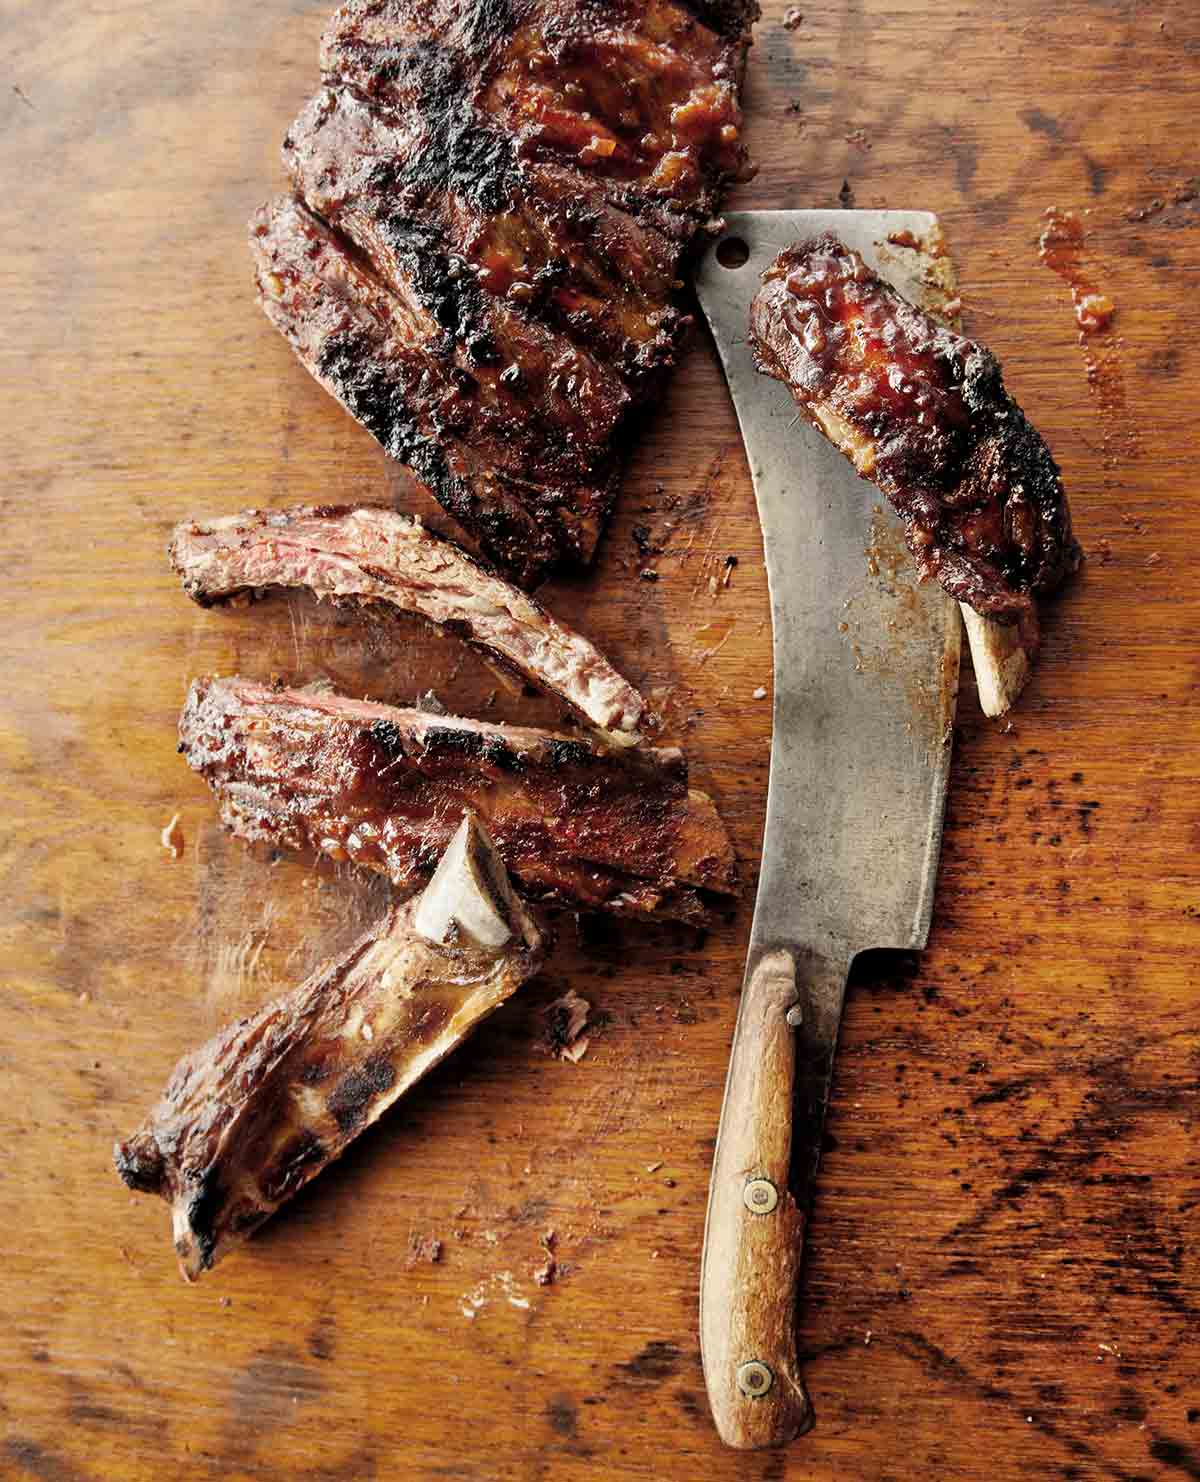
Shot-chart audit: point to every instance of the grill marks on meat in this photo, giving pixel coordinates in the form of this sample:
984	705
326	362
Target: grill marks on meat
924	414
352	174
377	555
252	1116
537	245
517	183
499	467
575	824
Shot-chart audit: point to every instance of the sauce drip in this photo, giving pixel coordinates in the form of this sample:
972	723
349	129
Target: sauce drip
1061	248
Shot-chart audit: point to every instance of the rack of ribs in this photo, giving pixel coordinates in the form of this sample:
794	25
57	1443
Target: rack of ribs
923	413
373	555
482	258
256	1113
577	824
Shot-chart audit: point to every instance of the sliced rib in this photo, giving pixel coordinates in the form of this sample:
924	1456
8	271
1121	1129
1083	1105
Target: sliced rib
577	824
923	413
259	1111
377	555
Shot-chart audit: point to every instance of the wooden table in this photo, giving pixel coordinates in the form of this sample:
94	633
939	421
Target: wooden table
1003	1281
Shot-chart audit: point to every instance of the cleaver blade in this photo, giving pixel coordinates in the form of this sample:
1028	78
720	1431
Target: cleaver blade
865	683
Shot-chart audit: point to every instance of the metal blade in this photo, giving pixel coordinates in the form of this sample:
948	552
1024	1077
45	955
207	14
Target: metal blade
866	660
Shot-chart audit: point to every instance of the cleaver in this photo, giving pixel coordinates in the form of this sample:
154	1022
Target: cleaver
865	679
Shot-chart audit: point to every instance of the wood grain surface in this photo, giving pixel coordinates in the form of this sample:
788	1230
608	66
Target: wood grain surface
1001	1278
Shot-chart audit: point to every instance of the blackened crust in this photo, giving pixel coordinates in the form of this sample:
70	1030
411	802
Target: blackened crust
368	348
515	183
268	1102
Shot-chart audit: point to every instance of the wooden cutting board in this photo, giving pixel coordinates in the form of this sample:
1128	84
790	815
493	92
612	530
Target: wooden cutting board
1003	1280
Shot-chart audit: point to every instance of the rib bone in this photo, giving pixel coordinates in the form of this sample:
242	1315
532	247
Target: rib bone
250	1118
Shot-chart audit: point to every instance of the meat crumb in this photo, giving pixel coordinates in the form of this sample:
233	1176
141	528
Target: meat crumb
545	1273
644	540
1104	551
566	1019
1093	312
172	838
424	1248
1154	559
575	1053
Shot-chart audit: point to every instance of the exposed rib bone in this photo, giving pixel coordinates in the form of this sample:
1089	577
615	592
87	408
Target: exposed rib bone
269	1102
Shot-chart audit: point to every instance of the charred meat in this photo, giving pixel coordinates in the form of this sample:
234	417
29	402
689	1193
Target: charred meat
923	413
577	824
641	95
370	554
261	1109
547	255
491	455
483	259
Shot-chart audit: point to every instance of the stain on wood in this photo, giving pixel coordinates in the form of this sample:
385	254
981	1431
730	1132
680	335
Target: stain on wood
1002	1278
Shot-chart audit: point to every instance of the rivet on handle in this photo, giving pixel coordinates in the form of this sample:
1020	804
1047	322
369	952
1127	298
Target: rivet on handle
760	1196
754	1379
794	1016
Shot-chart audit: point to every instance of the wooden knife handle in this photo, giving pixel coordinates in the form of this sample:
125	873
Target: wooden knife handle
754	1235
